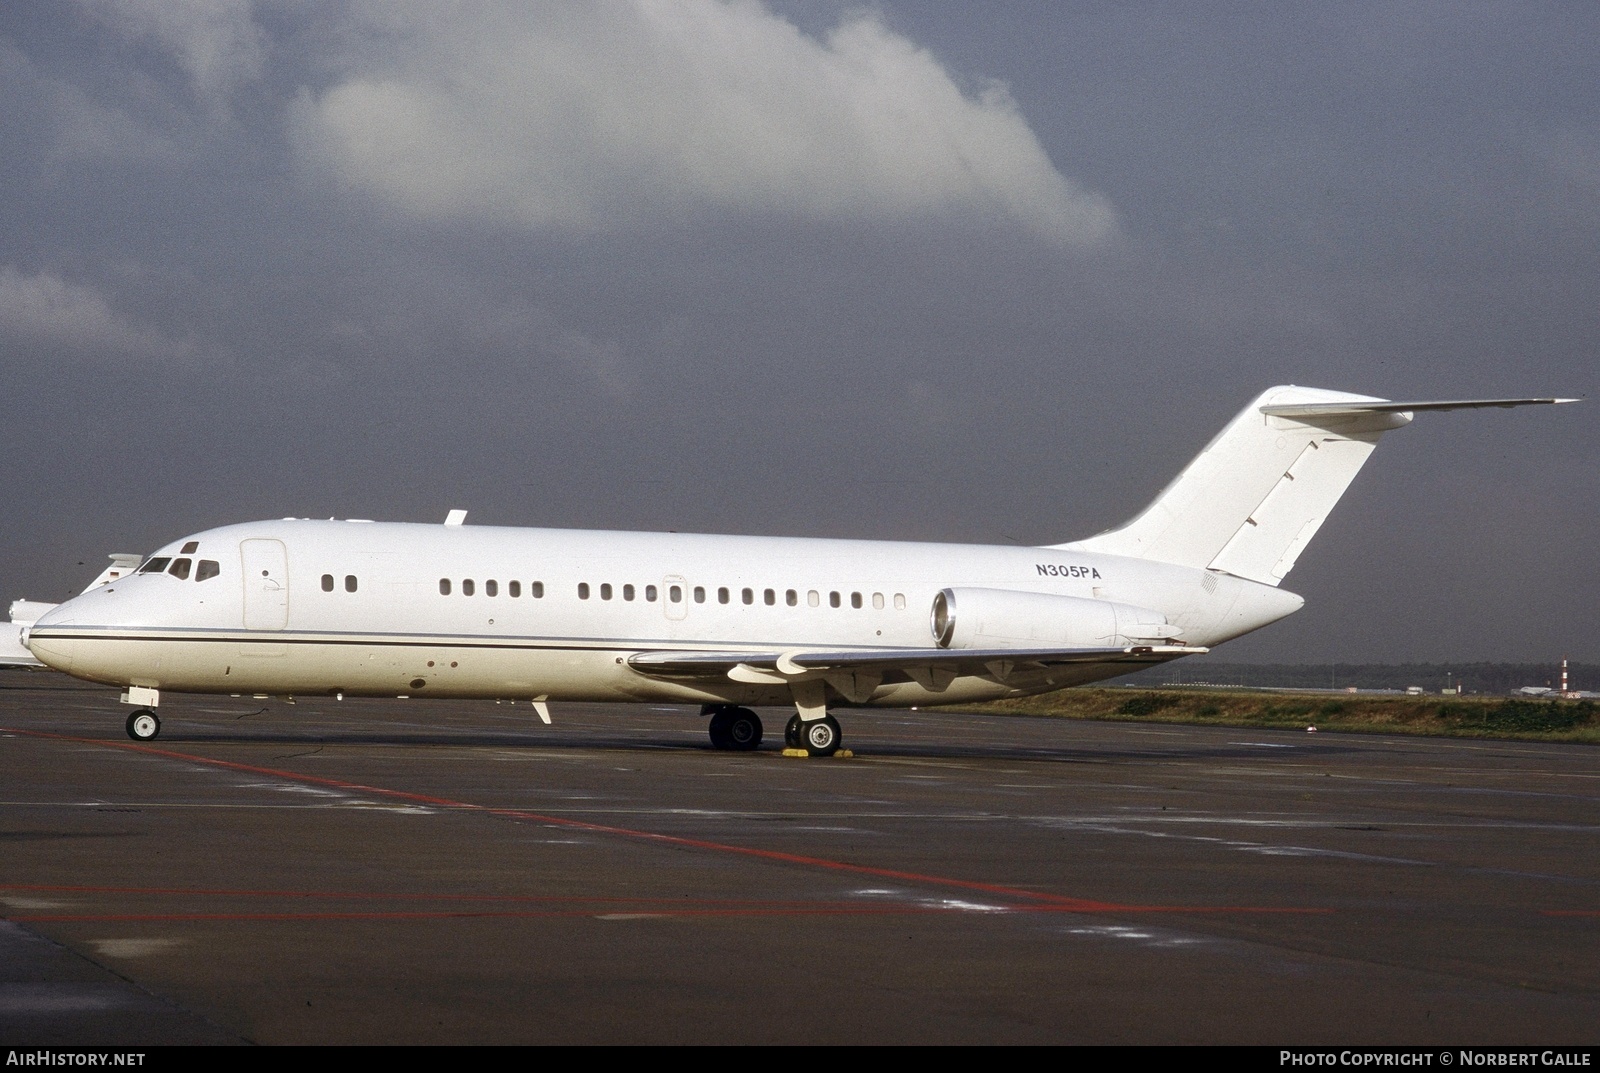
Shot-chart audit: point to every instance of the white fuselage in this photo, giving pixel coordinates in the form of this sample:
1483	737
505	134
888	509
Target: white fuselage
397	609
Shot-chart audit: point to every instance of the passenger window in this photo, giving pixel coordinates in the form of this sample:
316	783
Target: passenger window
208	569
327	582
180	569
791	598
833	599
855	600
627	592
899	601
490	588
605	591
350	583
769	597
675	593
155	566
444	586
814	598
877	601
537	588
748	596
513	589
699	594
467	587
190	548
722	596
583	590
650	593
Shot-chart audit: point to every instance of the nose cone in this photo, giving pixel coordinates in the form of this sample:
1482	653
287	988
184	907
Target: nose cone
109	633
62	614
48	647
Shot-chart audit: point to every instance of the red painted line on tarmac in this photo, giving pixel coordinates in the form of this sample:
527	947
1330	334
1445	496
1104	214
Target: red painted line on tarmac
1058	901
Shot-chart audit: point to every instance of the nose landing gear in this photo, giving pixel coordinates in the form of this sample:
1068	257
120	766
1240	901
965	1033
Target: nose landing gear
143	725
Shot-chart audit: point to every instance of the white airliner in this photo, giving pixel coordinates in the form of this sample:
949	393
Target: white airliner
357	608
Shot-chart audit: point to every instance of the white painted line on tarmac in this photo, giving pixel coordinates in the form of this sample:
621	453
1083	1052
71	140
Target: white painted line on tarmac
133	948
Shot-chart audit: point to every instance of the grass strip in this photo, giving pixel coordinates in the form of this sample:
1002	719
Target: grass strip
1456	717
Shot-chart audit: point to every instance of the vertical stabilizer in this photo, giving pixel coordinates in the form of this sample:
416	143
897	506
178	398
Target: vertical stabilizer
1253	499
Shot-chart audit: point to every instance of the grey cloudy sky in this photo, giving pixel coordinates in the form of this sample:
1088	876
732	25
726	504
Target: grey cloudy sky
951	272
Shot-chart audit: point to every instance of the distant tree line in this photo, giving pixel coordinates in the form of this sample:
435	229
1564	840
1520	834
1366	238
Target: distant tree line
1433	677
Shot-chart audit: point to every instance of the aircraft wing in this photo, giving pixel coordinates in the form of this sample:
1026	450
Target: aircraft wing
23	614
12	654
933	668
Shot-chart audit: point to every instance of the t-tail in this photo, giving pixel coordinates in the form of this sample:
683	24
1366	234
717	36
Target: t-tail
1252	500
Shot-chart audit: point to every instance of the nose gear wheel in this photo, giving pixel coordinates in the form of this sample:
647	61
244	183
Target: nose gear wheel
143	725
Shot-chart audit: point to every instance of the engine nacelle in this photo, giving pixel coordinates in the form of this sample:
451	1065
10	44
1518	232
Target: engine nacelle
1002	618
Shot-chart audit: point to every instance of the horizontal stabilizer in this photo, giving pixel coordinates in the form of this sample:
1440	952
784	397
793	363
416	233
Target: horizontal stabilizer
1380	406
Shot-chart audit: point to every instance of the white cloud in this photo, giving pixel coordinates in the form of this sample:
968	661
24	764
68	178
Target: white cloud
45	308
581	116
79	127
215	42
86	129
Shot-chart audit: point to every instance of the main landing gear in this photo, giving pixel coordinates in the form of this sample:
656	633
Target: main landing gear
143	725
738	729
819	737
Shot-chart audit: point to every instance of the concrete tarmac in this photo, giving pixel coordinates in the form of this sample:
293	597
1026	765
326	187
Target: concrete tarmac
448	872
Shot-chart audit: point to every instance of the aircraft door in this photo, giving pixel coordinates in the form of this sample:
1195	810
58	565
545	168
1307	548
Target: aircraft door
266	584
675	597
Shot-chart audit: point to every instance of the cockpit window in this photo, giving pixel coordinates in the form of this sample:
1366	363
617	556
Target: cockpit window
155	566
190	548
207	570
180	569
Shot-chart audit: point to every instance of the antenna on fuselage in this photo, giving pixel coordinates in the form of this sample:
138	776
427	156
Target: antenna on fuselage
455	517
